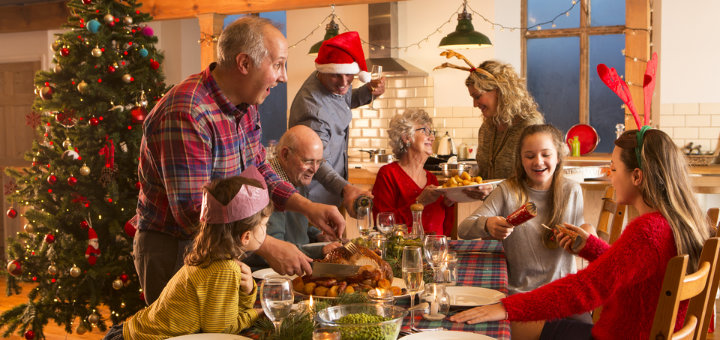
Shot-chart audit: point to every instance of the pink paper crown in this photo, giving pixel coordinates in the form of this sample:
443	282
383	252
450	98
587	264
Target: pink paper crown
247	202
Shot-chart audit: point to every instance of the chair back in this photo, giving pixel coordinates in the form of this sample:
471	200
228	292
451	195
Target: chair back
699	287
611	218
712	216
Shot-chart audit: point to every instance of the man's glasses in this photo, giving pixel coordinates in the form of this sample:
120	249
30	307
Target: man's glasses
310	162
425	130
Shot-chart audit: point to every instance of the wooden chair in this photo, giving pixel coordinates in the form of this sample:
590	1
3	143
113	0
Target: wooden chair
712	215
699	287
610	209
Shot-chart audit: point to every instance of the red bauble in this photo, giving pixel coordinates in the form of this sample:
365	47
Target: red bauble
14	267
142	296
94	121
52	179
12	213
137	114
154	64
29	335
111	69
137	185
65	51
72	180
130	228
87	2
84	224
124	278
49	238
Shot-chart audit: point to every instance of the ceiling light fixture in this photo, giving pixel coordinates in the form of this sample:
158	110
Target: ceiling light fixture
465	35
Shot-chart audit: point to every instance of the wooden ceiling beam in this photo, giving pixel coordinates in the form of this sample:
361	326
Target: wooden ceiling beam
37	17
174	9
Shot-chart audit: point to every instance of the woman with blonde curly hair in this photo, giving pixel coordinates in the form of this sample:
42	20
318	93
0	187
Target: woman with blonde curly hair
507	108
404	182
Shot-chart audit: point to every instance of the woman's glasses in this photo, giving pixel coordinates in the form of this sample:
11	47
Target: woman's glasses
425	130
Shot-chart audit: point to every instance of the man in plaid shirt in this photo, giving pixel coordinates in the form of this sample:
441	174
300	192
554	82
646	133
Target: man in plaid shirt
208	127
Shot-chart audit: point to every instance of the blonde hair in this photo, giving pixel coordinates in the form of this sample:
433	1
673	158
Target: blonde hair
514	101
402	126
666	187
222	241
518	183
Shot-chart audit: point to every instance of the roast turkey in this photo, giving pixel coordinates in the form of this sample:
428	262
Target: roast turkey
363	257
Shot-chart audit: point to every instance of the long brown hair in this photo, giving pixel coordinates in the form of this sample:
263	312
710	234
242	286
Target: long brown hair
519	182
666	187
514	102
222	241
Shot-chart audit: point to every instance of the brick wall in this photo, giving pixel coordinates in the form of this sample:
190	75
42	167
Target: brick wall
692	122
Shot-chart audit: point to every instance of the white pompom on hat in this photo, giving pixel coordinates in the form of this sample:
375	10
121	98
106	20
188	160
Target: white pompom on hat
343	54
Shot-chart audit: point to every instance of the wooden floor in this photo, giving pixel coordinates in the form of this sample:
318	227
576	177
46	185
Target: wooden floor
55	332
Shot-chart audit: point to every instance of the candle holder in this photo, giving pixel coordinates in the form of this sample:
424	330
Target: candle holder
377	244
448	273
381	296
438	301
326	333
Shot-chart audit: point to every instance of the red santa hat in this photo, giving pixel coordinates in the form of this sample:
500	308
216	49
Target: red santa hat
343	54
92	234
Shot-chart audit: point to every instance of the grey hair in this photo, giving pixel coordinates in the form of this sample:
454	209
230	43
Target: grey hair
244	35
401	126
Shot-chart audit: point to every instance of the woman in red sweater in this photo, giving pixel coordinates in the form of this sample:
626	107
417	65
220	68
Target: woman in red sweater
402	183
649	172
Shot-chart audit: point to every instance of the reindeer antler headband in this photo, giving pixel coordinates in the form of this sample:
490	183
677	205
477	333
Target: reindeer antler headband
610	77
474	71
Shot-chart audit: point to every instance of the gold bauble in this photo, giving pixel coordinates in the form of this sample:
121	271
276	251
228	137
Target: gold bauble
56	45
94	318
52	270
128	20
96	52
57	68
127	78
84	170
75	271
117	284
109	18
29	228
80	330
82	87
67	143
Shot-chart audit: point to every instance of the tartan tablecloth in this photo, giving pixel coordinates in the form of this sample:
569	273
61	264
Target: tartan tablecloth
480	264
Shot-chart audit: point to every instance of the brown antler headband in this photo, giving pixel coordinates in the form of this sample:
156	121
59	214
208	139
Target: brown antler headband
472	69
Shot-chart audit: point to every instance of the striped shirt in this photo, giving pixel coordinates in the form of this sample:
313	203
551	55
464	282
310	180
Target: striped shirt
197	300
192	136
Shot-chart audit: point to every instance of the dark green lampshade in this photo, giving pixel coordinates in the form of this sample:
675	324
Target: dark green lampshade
331	29
465	35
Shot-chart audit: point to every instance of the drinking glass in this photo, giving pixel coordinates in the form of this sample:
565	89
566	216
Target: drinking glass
364	221
385	222
276	297
436	248
412	273
448	269
375	74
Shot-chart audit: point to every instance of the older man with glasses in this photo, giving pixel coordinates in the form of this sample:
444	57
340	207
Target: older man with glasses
299	155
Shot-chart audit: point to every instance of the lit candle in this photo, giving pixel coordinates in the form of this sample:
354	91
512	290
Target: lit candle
310	305
434	305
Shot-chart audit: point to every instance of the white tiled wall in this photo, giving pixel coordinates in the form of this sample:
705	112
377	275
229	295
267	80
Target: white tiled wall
698	123
369	126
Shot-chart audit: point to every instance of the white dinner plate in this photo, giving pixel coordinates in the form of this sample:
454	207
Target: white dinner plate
398	282
261	274
210	336
456	194
447	335
467	296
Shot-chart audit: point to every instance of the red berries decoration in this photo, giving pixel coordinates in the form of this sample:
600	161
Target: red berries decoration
72	180
137	114
84	224
52	179
14	267
49	238
111	69
12	213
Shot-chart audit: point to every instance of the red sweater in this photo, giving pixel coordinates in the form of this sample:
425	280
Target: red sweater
395	191
624	278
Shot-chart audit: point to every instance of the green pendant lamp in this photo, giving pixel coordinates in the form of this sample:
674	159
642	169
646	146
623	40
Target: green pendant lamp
465	35
331	29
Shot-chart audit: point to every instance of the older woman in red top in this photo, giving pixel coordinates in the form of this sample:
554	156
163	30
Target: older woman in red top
404	182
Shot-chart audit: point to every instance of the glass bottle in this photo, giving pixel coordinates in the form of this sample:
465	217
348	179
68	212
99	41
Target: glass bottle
362	201
417	231
575	143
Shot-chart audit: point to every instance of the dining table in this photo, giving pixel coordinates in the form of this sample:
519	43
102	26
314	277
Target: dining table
481	263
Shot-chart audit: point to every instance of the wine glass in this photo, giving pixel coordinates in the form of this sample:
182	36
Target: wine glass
375	74
412	273
276	297
436	248
385	222
364	221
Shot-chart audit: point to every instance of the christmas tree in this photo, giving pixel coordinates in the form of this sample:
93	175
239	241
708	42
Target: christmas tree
81	190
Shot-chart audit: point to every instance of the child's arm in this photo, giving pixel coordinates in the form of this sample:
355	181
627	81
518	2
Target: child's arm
474	225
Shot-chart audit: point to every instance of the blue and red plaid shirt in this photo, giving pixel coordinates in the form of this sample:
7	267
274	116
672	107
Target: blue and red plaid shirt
192	136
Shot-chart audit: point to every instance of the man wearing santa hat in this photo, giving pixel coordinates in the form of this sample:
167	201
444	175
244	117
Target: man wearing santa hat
323	103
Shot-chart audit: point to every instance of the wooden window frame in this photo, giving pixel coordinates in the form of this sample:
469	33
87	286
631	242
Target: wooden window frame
638	44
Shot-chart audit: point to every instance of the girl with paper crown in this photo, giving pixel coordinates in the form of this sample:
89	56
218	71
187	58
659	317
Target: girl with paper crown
213	292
